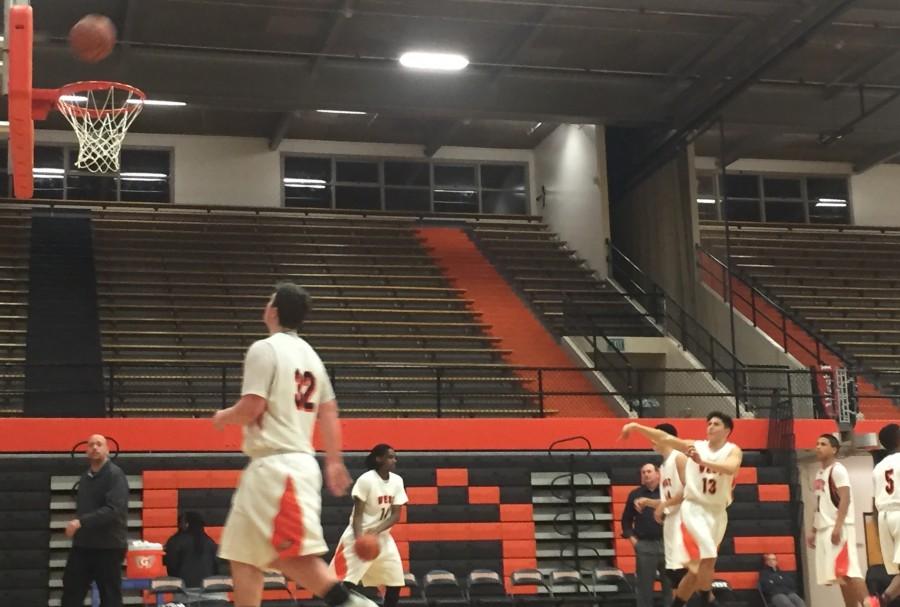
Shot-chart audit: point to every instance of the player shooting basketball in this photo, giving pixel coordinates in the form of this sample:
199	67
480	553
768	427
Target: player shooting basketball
709	477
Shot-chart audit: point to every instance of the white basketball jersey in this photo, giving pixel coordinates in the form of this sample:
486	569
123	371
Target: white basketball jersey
887	478
670	483
702	485
287	372
828	481
379	496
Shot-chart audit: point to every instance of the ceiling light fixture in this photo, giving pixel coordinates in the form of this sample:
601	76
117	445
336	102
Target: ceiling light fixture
159	102
706	201
347	112
73	98
831	202
446	62
139	175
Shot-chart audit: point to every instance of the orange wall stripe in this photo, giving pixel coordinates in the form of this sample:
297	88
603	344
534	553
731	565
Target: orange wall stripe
761	545
746	476
159	517
516	513
484	495
160	498
135	435
422	496
513	549
620	493
452	477
774	493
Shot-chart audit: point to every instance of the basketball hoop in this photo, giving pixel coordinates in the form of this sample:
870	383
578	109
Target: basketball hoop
100	114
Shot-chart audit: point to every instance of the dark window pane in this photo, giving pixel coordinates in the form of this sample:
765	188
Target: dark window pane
782	188
91	187
406	173
706	186
504	203
503	176
454	176
784	212
316	196
357	172
455	201
312	170
407	199
357	197
144	189
155	162
46	156
50	186
742	210
4	157
706	209
5	180
828	212
741	186
832	190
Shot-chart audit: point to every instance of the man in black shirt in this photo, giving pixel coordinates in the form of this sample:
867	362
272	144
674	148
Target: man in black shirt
779	588
641	528
98	532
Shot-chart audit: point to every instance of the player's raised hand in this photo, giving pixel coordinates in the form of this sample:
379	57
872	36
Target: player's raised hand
218	420
694	455
626	430
337	479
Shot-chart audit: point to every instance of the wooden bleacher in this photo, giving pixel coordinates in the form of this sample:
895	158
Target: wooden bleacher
556	282
843	280
181	294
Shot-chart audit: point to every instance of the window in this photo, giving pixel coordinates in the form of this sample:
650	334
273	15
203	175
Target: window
49	172
405	185
773	198
145	175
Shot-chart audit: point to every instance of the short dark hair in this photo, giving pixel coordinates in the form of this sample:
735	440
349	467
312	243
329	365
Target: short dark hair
379	450
832	440
668	429
293	304
726	419
889	437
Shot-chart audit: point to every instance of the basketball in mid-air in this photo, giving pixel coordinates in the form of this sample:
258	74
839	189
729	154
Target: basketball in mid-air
366	547
93	38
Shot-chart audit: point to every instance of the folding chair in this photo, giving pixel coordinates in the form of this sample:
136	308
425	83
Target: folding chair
485	587
441	588
610	576
561	580
275	581
167	585
216	584
415	598
531	577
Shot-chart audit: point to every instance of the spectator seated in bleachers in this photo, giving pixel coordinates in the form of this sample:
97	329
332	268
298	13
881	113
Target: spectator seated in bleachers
191	553
779	587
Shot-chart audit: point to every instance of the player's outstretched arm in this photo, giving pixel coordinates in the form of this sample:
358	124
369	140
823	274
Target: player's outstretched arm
657	437
337	479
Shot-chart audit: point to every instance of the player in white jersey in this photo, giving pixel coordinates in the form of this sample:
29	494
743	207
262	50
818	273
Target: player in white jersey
378	498
887	505
274	518
709	476
834	533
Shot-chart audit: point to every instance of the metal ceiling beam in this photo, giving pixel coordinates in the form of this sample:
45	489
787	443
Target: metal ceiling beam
440	135
765	45
853	75
743	147
878	156
332	31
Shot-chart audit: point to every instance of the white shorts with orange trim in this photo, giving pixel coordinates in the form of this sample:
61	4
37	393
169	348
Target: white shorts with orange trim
702	531
275	511
889	538
673	540
834	563
386	569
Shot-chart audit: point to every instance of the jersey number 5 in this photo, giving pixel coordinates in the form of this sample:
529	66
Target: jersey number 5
306	386
709	485
889	479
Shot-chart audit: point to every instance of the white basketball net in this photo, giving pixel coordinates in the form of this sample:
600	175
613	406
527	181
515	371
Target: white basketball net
100	118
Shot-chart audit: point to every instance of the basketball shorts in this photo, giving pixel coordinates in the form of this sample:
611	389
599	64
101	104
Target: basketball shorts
676	555
386	569
836	562
702	530
275	511
889	537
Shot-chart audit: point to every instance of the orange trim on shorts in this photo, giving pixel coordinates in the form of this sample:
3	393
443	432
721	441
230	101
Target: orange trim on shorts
842	562
287	533
689	544
340	563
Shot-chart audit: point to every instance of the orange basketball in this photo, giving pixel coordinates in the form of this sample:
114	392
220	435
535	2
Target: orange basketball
93	38
366	547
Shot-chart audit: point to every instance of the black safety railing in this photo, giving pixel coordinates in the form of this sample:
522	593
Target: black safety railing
404	390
